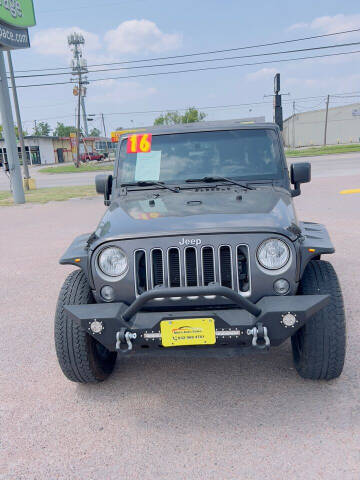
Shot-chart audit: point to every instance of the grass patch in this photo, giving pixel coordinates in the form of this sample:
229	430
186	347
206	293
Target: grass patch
72	169
45	195
330	149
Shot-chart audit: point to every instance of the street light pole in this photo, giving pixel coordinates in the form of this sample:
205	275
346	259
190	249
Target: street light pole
9	135
18	119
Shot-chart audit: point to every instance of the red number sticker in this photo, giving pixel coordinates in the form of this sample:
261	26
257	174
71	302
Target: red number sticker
139	143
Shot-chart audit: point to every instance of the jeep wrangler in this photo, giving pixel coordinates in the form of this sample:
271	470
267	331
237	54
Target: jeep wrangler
200	247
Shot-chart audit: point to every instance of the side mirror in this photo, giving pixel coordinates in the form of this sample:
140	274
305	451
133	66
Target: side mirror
299	173
103	184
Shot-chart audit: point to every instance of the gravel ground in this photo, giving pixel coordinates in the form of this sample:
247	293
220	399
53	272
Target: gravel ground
168	417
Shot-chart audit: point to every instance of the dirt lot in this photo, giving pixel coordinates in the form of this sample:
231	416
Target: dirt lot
173	417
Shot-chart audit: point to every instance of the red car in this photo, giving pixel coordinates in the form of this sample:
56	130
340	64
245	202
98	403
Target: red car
90	156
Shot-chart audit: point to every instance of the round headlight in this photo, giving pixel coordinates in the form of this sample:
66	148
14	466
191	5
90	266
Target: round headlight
273	254
113	262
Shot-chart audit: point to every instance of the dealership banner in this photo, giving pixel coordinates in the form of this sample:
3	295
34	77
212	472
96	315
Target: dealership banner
15	17
17	13
12	38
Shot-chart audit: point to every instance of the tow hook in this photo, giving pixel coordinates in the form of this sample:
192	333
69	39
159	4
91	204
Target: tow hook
124	336
259	333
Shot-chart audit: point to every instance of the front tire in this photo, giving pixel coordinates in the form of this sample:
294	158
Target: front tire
319	346
81	358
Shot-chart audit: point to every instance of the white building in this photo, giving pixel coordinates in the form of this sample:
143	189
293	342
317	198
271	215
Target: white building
47	150
308	128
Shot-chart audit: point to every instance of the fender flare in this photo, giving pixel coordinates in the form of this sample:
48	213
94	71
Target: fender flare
314	242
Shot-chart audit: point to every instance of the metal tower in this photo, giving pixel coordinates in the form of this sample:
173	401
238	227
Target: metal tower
79	70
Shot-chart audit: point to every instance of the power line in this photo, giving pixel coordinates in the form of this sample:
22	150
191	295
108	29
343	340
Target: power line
323	47
195	69
201	53
209	107
160	110
240	104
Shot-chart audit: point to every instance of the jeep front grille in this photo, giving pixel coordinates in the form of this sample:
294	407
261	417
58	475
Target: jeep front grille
193	266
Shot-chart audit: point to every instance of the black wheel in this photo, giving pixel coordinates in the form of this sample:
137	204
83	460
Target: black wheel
81	358
319	346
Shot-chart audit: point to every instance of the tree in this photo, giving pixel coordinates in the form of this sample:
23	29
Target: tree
62	130
170	118
25	133
191	115
42	129
95	132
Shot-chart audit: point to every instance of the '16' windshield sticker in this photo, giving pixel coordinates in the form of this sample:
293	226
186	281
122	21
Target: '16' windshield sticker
139	143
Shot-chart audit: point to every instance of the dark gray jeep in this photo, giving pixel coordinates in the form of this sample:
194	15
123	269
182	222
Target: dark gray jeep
201	248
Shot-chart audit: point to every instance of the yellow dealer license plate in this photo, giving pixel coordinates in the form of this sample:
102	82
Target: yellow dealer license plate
189	331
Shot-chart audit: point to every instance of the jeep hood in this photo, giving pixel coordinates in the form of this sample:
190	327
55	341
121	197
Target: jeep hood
203	210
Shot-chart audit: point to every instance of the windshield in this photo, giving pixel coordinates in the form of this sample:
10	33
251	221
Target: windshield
248	154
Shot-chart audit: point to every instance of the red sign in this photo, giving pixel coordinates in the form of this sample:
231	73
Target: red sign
139	143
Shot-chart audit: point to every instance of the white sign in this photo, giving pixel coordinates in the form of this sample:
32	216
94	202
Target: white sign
148	166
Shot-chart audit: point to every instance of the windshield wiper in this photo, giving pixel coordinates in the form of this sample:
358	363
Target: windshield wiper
216	179
149	183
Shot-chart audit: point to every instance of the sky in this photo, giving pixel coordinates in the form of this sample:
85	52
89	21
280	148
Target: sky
127	30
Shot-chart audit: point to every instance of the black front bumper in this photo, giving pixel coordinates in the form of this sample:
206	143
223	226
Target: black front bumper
233	326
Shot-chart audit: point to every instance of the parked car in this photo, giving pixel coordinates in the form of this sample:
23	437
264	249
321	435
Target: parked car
201	248
91	156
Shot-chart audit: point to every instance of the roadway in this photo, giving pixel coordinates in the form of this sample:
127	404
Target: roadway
322	166
220	417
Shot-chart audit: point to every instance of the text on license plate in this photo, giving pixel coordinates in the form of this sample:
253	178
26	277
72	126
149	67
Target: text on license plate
188	331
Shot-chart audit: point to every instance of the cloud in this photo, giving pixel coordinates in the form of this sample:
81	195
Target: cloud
263	73
118	92
327	84
297	26
133	36
329	24
336	23
332	24
53	41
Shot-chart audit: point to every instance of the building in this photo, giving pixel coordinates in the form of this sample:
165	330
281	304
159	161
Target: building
308	128
49	150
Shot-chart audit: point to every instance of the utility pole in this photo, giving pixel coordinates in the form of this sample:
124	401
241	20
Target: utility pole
293	129
103	122
78	126
9	135
278	112
105	135
83	94
79	68
18	121
326	118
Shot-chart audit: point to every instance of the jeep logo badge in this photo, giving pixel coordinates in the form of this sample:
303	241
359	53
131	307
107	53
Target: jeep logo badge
191	241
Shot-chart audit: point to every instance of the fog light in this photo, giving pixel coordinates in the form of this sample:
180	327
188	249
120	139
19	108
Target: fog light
281	286
107	293
96	326
289	319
